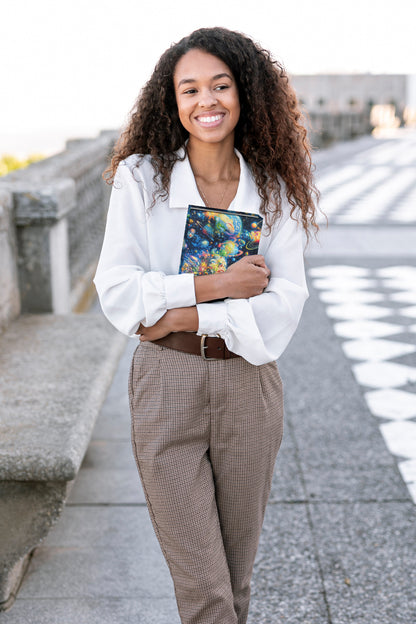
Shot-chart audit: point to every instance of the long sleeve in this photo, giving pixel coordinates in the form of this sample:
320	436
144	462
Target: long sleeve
260	328
132	287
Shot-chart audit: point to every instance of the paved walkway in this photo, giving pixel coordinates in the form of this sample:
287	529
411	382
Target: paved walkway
376	183
339	539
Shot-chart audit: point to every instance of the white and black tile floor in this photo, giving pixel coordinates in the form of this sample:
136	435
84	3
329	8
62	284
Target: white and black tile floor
374	185
374	313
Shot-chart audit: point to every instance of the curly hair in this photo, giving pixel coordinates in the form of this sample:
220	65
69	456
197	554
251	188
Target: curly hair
270	133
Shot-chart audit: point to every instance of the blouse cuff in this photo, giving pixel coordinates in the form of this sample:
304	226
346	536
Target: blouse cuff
179	291
212	317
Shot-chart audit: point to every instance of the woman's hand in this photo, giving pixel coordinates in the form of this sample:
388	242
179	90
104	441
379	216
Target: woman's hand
247	277
159	330
177	319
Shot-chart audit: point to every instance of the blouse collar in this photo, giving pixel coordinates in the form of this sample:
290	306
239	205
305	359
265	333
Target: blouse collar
184	191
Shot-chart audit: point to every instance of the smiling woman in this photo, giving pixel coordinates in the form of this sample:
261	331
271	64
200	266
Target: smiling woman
217	124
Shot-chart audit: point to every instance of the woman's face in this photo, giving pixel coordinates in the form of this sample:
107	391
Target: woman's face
207	97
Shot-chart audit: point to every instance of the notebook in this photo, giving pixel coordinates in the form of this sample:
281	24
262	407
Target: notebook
214	239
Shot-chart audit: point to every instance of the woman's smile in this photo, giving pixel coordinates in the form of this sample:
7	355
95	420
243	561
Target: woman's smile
210	121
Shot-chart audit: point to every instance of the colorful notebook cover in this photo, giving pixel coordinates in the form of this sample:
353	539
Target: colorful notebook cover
215	238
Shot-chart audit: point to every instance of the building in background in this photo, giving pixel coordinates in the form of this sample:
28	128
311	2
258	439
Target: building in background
342	106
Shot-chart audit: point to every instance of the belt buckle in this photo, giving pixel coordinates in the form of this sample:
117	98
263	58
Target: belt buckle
203	347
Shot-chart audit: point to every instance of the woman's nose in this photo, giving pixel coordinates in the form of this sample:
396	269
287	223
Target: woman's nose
207	98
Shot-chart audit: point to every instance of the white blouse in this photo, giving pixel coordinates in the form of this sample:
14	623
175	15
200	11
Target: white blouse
137	275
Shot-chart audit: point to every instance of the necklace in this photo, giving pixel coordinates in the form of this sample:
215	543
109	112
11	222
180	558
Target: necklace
205	199
201	192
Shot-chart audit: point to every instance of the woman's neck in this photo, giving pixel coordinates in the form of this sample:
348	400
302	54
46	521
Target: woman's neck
213	162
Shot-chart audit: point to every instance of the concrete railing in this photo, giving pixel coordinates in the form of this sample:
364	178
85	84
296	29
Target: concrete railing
55	368
55	371
59	207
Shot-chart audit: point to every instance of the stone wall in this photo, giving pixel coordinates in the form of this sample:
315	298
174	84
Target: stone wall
326	128
59	208
9	289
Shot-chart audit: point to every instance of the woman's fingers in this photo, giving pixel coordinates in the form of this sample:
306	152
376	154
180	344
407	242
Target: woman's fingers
258	260
248	277
242	264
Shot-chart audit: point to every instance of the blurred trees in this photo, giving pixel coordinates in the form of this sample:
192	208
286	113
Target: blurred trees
9	163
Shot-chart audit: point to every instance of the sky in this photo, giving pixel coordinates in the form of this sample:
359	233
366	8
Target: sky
74	68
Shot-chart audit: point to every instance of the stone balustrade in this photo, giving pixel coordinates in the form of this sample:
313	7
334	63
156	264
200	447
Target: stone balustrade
59	207
55	367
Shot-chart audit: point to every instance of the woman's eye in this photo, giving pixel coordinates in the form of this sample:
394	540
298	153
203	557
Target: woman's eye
189	91
221	87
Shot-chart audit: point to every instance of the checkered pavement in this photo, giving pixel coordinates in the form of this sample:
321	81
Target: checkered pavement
374	313
376	185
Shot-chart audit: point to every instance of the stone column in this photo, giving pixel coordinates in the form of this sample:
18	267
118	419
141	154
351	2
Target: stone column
9	289
42	237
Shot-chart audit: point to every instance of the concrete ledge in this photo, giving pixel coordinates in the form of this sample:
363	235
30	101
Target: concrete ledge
54	375
55	371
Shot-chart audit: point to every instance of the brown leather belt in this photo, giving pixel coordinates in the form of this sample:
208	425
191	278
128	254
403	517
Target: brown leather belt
209	347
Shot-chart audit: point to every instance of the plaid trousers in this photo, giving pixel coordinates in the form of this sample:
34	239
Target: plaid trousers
205	437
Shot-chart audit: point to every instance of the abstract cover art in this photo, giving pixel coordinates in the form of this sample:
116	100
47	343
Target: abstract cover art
214	239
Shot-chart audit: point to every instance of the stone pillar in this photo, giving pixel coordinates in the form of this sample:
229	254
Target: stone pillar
9	289
42	236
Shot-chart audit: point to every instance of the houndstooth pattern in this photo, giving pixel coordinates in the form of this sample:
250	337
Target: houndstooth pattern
205	437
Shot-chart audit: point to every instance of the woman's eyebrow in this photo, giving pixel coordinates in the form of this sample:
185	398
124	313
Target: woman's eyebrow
223	75
216	77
